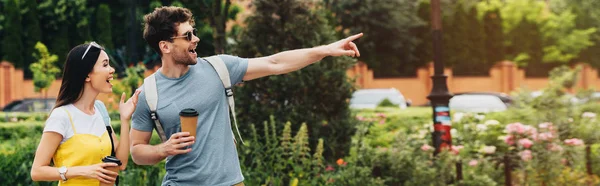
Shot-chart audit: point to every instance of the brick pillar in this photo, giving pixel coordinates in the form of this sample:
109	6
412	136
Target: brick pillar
506	74
587	76
6	82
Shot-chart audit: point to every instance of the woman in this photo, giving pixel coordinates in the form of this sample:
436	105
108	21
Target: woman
75	135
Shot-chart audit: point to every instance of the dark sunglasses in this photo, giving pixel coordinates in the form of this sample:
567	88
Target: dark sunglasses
188	35
94	44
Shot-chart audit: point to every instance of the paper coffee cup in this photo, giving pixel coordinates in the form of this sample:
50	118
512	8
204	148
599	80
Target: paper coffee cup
189	120
111	159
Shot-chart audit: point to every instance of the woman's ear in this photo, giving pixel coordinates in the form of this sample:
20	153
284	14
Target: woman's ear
87	79
164	46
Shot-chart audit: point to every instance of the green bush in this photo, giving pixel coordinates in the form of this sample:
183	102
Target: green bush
20	140
316	95
22	116
387	103
285	160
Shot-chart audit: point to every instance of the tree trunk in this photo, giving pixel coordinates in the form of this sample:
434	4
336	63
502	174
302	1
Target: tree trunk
219	22
507	171
45	97
588	159
459	172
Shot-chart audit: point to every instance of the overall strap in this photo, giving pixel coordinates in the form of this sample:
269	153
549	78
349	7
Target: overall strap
104	112
70	120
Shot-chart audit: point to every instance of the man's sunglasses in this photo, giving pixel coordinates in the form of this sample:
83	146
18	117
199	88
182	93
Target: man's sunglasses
188	35
94	44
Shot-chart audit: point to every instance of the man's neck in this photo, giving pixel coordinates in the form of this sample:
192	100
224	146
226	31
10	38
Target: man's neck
170	69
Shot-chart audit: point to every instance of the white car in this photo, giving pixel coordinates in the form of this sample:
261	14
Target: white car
370	98
477	103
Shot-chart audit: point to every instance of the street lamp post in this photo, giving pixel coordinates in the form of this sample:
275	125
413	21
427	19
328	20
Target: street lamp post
439	96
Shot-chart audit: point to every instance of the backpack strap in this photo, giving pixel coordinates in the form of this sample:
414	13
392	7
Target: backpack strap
104	112
152	100
219	66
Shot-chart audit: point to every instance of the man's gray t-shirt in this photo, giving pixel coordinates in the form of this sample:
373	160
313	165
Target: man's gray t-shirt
213	159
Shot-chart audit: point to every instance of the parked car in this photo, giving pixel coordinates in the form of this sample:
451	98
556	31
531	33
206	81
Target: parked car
30	105
371	98
479	103
572	98
506	99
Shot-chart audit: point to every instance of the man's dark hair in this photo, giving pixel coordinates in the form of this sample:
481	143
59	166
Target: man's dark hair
161	24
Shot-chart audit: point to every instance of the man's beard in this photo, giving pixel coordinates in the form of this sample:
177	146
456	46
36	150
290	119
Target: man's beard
184	59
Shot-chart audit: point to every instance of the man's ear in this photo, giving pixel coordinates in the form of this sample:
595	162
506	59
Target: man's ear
165	47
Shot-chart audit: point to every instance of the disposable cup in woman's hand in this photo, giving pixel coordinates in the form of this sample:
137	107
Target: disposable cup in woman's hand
111	159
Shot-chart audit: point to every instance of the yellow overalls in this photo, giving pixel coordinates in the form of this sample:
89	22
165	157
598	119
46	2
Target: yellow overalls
81	150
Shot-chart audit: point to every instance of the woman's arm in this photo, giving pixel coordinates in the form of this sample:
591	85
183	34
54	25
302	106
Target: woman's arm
126	110
122	145
42	171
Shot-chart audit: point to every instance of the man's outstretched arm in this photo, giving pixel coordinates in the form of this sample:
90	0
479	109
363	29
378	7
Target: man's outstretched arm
293	60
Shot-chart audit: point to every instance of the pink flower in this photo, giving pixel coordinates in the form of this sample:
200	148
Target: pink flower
563	161
526	143
573	142
545	125
329	168
525	155
426	147
546	136
489	149
473	163
456	149
554	147
517	128
529	130
382	121
381	115
360	118
589	115
509	140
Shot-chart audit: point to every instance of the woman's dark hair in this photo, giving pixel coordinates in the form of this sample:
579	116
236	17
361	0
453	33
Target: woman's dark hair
75	72
161	24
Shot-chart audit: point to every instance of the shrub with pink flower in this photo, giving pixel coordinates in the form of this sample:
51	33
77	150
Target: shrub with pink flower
546	136
515	128
509	140
589	115
473	163
574	142
488	149
526	155
426	147
554	147
525	143
456	149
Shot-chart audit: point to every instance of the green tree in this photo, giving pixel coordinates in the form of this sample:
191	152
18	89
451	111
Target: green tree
587	16
494	37
31	33
464	41
382	21
216	13
65	23
423	50
44	70
12	45
536	37
103	27
316	95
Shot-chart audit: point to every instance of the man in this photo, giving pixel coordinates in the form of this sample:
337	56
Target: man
186	81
